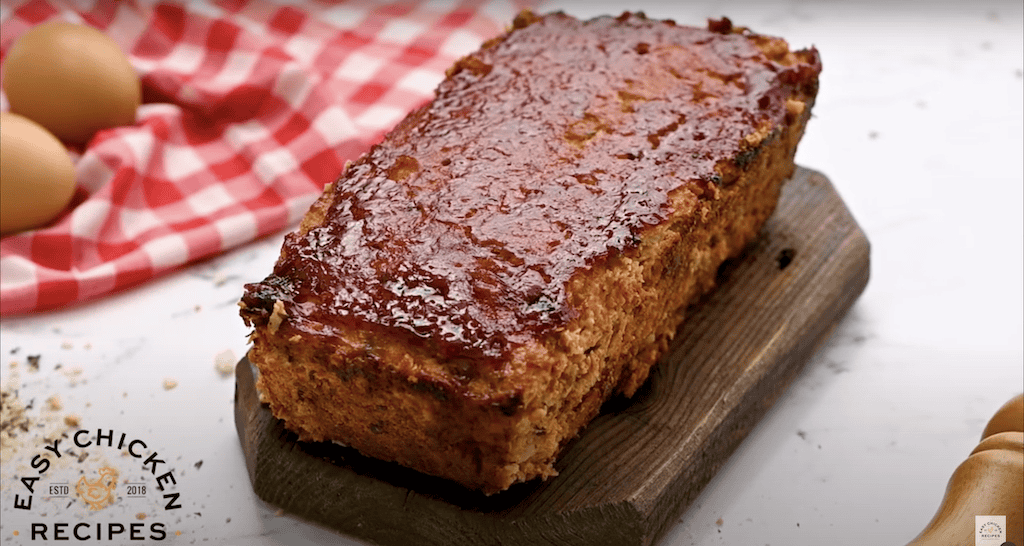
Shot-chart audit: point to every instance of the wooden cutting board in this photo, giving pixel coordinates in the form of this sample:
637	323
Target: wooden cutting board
635	469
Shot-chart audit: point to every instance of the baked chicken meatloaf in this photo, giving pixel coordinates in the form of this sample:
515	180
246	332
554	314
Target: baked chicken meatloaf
468	293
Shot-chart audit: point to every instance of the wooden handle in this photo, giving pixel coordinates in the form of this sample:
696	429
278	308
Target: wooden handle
989	483
1010	417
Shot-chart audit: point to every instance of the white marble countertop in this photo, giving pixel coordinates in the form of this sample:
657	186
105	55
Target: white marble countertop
918	124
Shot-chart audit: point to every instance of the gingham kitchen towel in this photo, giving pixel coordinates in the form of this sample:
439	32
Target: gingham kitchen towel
250	107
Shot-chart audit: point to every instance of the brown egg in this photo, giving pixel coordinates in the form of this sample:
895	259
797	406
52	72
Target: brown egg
71	79
37	179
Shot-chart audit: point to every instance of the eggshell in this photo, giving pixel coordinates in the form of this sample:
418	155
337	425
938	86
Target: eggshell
71	79
37	179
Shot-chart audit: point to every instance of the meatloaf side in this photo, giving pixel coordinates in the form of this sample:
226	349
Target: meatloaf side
469	292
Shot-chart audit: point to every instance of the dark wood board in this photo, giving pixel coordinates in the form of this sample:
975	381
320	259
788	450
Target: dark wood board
635	469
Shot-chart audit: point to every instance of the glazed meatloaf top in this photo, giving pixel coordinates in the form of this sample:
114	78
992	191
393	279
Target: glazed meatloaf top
461	231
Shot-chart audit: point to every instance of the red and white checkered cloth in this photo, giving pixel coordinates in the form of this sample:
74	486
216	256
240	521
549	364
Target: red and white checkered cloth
250	107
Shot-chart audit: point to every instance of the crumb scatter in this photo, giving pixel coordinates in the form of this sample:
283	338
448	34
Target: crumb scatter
54	403
21	427
224	362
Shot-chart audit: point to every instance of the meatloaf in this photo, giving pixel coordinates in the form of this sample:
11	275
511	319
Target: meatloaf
468	293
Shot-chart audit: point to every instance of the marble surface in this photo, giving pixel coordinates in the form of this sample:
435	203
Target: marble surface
918	125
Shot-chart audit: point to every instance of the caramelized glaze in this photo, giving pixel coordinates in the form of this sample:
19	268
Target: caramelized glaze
551	149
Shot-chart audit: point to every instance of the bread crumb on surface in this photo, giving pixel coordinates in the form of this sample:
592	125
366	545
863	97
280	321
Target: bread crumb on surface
224	362
54	403
74	375
170	384
13	422
20	428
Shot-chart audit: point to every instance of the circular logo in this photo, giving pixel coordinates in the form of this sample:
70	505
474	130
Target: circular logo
990	529
95	484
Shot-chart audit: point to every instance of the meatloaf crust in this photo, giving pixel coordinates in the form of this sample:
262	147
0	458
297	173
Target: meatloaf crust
469	292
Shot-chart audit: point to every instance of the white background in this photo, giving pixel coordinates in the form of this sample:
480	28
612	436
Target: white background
919	126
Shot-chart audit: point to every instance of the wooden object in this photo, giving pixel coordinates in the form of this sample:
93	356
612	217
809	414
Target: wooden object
633	471
1010	417
990	482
